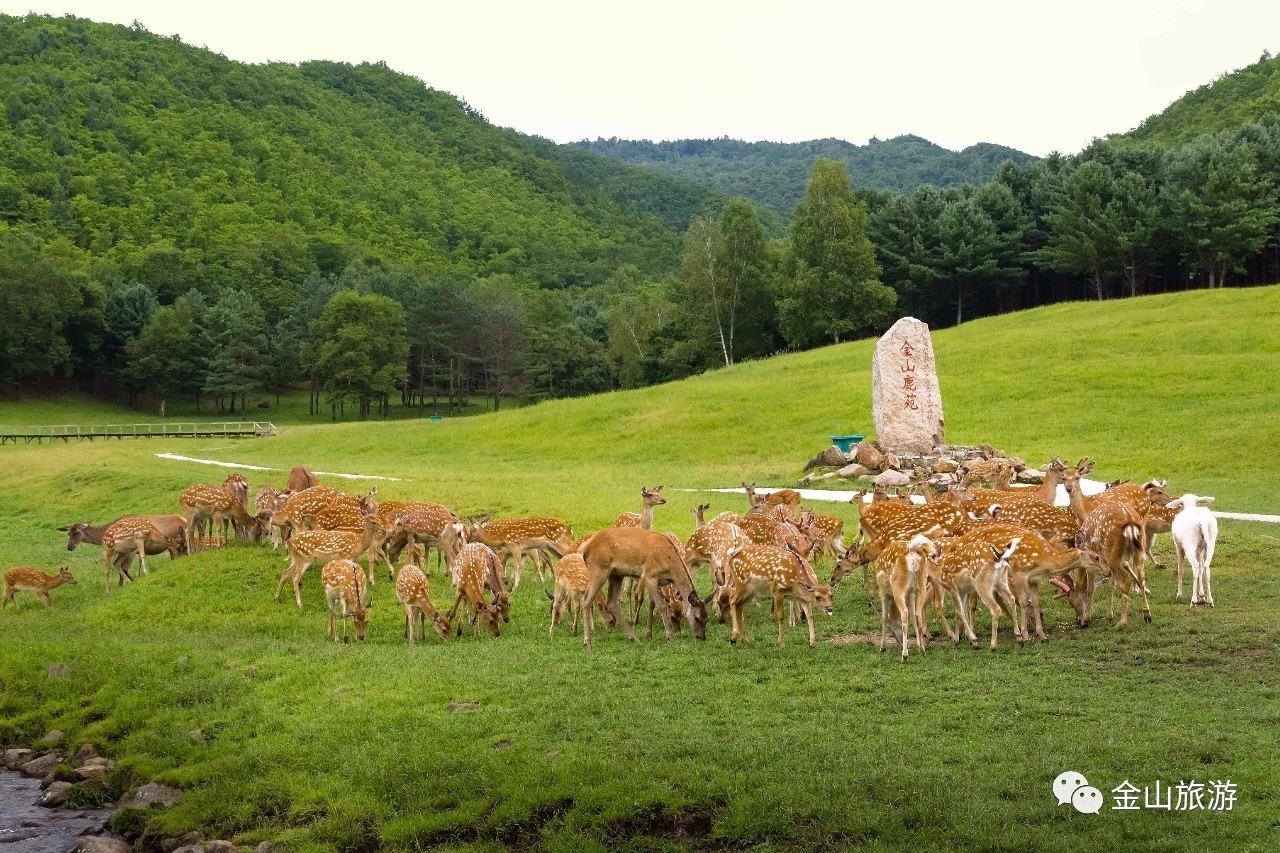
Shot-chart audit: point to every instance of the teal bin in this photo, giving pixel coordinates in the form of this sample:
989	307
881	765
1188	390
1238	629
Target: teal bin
844	442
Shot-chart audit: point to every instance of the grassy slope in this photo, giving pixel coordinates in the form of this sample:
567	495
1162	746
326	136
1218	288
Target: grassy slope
326	747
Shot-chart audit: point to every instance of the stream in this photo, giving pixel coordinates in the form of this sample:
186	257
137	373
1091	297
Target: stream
29	828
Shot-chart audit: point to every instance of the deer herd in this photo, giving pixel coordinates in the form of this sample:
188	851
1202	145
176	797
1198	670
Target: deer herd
995	544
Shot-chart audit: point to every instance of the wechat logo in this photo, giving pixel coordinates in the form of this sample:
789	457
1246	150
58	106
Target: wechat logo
1072	787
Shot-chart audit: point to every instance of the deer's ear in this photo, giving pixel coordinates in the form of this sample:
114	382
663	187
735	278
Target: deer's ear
66	529
1204	501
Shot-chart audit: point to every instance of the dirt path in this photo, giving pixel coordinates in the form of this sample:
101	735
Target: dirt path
175	457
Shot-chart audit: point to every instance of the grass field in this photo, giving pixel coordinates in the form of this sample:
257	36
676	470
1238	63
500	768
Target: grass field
693	745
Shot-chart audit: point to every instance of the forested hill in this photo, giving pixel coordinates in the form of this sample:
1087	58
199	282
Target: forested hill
1246	95
774	173
142	151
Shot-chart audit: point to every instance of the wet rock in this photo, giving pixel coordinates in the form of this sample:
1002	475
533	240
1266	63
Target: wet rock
85	755
55	795
95	769
94	844
264	847
55	737
207	847
854	470
151	794
38	768
14	757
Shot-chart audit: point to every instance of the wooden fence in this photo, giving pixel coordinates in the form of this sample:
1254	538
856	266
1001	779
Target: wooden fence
78	432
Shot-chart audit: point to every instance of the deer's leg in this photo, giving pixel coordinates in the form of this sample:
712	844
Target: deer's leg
1140	576
884	617
285	576
659	601
297	583
735	615
962	614
779	605
1177	555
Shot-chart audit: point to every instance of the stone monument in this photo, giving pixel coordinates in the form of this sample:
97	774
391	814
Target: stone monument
906	402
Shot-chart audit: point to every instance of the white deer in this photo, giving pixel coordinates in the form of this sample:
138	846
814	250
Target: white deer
1195	532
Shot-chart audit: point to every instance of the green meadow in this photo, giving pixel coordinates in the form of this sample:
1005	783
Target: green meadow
319	746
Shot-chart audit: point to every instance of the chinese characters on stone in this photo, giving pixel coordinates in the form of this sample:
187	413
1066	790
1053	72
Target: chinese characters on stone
1212	796
908	370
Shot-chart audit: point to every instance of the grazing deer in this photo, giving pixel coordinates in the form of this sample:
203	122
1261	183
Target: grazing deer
1036	560
881	511
1112	538
415	523
571	591
1195	533
345	592
621	552
782	496
303	506
785	575
699	515
131	532
476	563
414	593
827	534
649	498
710	544
269	498
301	478
201	501
174	528
27	579
517	536
969	566
310	545
900	573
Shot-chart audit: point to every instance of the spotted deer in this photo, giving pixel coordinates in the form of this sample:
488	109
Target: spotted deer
1112	538
1036	560
349	517
346	592
302	506
900	574
129	533
310	545
202	501
616	553
784	575
1140	498
414	594
1051	522
27	579
649	499
516	537
476	562
238	487
174	528
969	566
416	523
570	593
873	516
827	534
781	496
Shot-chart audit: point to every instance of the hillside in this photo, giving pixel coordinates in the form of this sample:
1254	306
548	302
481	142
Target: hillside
195	677
774	173
127	151
1249	94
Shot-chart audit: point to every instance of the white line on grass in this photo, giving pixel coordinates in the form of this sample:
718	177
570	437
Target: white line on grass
178	458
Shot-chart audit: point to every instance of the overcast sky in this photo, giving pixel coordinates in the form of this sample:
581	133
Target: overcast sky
1035	76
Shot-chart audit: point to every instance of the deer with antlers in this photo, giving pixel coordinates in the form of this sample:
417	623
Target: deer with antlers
620	552
649	498
346	593
476	563
34	581
310	545
414	594
516	537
